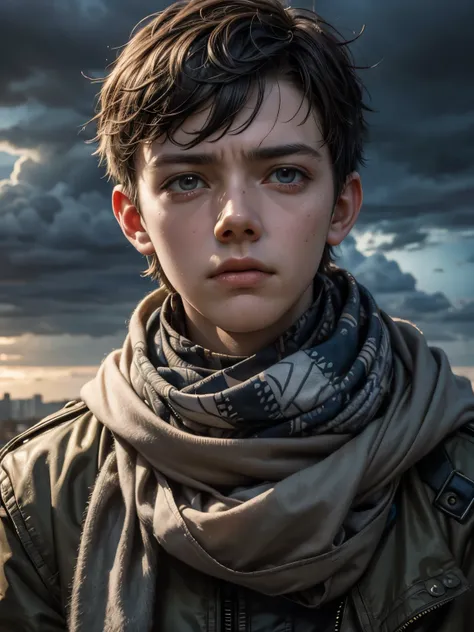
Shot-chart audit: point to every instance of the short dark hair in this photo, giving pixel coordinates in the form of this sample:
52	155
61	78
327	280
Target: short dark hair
216	52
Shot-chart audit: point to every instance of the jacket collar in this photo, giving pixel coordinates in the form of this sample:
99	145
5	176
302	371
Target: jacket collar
413	571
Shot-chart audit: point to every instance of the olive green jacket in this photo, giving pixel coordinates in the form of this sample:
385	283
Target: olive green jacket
418	580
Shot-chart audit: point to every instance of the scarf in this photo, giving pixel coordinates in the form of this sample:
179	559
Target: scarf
275	472
329	371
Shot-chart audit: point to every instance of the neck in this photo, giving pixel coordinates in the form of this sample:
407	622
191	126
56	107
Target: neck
209	336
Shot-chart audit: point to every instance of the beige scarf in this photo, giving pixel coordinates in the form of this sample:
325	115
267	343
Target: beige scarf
300	517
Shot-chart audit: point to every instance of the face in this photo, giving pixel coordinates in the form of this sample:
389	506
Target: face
265	195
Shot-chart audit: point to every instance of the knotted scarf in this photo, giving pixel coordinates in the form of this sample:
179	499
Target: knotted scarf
275	472
329	371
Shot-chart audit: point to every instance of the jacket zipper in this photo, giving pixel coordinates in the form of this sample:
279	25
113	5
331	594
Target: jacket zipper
227	610
234	610
339	613
241	614
228	616
420	615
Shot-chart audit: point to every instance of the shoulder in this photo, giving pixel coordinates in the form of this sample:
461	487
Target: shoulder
46	476
460	447
449	471
447	475
70	439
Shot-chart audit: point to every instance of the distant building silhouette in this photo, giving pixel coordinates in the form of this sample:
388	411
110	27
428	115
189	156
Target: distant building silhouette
5	407
27	409
16	415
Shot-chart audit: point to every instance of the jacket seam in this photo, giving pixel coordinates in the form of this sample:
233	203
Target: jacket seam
26	535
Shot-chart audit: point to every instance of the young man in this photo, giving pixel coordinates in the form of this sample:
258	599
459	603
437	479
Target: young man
268	451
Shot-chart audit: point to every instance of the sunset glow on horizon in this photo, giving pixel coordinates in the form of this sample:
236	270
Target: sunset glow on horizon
54	383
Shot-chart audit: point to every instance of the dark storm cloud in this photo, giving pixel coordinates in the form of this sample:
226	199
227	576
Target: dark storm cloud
425	303
76	170
460	321
446	205
98	304
64	264
430	150
413	238
376	272
14	199
49	44
464	314
423	129
39	233
397	294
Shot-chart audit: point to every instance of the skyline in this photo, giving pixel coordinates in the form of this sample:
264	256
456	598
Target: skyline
68	278
26	409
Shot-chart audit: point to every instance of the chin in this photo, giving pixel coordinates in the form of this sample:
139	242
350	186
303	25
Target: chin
249	317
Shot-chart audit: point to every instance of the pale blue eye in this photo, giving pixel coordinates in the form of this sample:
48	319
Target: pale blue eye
188	182
286	175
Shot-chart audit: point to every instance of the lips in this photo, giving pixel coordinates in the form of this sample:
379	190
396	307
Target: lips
241	265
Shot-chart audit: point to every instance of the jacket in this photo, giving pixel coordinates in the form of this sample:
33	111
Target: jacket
419	579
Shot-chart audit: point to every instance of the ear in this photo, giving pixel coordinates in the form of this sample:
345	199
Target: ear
131	222
346	210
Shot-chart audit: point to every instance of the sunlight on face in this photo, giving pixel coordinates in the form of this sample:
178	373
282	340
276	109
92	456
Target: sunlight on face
266	193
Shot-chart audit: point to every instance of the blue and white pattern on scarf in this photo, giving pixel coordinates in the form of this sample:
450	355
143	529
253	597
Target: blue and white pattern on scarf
329	372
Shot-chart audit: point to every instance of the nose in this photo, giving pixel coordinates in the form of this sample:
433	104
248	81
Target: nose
237	222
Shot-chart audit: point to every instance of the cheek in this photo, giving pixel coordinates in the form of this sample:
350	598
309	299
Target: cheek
177	244
316	232
303	241
310	228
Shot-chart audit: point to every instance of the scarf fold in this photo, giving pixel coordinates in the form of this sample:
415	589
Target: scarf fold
275	472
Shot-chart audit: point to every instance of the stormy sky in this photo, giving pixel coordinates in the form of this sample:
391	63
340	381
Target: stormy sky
68	278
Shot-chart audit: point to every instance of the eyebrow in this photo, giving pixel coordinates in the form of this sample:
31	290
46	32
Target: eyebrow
252	155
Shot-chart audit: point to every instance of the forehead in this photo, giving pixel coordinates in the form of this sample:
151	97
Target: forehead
279	121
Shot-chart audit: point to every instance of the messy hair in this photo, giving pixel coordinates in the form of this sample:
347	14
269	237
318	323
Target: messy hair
217	53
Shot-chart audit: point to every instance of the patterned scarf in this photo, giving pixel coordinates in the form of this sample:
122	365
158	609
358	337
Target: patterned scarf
275	472
328	373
